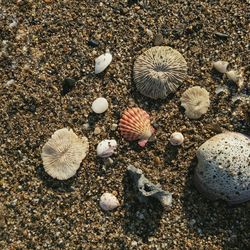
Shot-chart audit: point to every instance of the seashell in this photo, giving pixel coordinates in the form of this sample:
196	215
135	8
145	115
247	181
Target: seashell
236	76
220	66
223	170
63	153
145	188
159	71
176	139
135	125
100	105
196	102
106	148
102	62
108	202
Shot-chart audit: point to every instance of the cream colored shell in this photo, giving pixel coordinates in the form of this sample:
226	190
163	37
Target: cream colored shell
159	71
63	153
196	102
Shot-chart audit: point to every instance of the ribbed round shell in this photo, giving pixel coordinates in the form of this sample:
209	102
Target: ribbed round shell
196	102
135	124
159	71
63	154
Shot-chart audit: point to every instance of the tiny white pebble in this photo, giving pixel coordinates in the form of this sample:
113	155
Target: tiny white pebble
97	131
108	202
100	105
176	139
114	127
10	82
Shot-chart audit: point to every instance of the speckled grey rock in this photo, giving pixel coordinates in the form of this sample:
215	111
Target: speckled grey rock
146	189
223	170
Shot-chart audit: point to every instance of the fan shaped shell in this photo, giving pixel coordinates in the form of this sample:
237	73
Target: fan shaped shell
63	153
135	125
159	71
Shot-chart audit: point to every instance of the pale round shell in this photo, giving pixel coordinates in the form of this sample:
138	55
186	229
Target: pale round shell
196	102
159	71
100	105
102	62
108	202
176	139
223	170
135	124
63	154
106	148
221	66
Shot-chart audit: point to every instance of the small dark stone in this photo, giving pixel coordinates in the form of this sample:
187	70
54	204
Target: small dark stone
159	40
68	84
222	35
70	109
93	43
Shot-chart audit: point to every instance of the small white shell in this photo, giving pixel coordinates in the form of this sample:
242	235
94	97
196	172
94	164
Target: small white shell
108	202
106	148
176	139
221	66
100	105
102	62
235	76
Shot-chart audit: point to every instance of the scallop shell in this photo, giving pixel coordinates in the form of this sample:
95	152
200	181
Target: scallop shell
221	66
102	62
63	153
159	71
135	125
108	202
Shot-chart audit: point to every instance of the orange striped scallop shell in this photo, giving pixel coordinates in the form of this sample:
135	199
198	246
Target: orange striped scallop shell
135	125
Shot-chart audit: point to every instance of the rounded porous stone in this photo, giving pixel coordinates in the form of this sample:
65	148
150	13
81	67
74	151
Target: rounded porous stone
223	170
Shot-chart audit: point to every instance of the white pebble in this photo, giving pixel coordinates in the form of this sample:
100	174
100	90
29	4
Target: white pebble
108	202
10	82
113	126
100	105
106	148
176	139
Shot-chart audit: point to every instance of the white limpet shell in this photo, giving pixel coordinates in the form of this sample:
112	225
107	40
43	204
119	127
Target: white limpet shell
236	76
63	154
221	66
176	139
106	148
100	105
108	202
102	62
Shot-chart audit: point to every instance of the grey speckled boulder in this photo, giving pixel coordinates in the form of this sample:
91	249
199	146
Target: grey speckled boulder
223	170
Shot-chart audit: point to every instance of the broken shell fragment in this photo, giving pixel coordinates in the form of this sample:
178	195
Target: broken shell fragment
135	125
146	189
196	102
220	66
63	153
108	202
100	105
159	71
236	76
176	139
102	62
106	148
